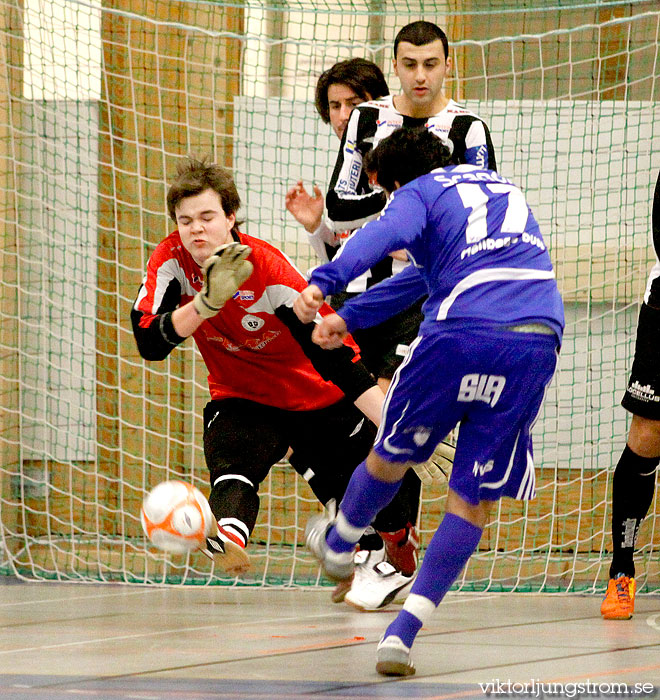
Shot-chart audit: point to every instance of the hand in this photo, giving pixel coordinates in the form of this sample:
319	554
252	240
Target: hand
308	302
444	454
330	332
306	210
439	465
428	473
399	255
224	272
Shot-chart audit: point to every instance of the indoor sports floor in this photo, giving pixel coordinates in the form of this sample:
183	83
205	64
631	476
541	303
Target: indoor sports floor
110	641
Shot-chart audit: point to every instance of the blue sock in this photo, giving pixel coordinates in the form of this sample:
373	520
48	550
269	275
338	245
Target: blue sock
448	552
365	496
405	626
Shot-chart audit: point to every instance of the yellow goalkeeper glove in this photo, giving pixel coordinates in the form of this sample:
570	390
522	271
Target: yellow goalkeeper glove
439	466
225	270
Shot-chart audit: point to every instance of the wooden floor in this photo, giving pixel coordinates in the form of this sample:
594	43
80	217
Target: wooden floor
102	641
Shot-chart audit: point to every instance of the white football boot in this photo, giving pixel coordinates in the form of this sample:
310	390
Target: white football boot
376	583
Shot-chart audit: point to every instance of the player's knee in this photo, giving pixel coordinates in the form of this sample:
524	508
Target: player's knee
326	483
478	515
380	468
644	437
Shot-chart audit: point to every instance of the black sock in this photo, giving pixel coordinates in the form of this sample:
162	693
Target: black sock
235	504
632	494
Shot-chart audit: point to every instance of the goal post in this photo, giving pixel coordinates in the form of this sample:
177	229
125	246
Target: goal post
98	104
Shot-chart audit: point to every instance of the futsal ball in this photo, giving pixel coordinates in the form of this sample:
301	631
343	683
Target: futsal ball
176	517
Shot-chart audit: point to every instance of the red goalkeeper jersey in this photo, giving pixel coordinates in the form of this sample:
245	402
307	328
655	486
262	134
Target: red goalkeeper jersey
254	348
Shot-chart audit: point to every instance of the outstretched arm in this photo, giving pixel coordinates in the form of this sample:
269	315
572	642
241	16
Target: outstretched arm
377	304
384	300
399	226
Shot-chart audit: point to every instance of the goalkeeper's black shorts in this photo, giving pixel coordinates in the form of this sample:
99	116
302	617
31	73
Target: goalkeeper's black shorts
247	438
642	396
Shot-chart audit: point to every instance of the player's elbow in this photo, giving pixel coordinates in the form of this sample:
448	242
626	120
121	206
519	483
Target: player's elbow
150	343
151	353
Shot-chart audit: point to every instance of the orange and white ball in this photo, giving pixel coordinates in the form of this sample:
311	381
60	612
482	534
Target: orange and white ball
177	517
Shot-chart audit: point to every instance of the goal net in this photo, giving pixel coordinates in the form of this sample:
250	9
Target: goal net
98	103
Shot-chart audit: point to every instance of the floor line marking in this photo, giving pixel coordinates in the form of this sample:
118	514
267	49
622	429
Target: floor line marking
41	601
175	630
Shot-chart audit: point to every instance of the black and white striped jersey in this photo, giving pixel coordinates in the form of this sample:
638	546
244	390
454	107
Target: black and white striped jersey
351	201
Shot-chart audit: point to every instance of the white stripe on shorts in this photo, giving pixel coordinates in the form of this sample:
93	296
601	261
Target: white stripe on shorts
528	482
392	387
505	478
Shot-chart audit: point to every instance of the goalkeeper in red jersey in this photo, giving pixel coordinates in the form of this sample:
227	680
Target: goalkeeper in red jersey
271	387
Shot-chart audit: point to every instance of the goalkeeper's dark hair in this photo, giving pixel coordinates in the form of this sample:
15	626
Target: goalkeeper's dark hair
363	77
196	176
421	33
404	155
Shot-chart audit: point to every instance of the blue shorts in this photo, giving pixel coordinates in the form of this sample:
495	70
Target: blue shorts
493	384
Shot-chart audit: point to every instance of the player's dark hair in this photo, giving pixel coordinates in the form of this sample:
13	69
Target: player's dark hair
196	176
421	33
363	77
405	155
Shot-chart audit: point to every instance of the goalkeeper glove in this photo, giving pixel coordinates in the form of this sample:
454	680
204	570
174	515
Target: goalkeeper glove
224	272
439	466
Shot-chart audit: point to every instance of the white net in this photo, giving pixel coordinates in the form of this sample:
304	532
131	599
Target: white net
98	103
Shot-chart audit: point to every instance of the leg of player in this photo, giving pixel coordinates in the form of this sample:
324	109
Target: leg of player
633	487
372	486
634	477
396	522
386	576
497	434
377	580
328	470
329	485
241	443
235	505
456	538
396	525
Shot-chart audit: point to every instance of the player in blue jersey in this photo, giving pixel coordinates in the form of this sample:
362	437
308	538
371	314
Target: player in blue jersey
486	351
421	61
388	553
